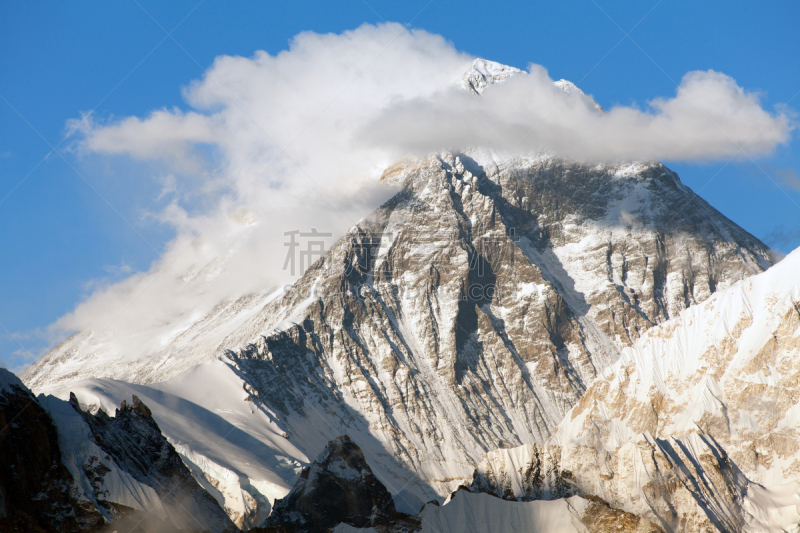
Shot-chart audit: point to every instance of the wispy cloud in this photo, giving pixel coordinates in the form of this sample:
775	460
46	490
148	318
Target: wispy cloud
789	177
710	117
783	239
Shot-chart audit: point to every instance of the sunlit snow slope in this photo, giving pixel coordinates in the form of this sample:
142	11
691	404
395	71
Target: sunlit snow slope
695	427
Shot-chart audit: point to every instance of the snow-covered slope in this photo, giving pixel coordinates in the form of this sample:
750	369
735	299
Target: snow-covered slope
173	348
729	367
696	426
471	512
481	513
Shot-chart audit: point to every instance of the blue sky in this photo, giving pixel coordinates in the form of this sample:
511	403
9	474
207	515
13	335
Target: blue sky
68	223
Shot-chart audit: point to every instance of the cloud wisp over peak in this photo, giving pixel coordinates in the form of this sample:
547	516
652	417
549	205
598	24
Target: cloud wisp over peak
710	117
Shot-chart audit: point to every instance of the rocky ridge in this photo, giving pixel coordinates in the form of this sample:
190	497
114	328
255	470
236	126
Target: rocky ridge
37	492
66	470
135	443
338	488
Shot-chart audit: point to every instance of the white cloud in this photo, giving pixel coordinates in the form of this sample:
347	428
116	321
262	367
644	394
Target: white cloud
296	140
710	117
226	155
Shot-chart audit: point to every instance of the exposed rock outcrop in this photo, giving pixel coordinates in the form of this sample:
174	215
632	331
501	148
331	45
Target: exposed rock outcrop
37	492
339	487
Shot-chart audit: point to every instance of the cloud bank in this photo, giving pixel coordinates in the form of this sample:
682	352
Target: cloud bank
295	141
710	117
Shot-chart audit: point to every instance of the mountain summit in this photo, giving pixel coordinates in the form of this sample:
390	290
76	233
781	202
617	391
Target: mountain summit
482	73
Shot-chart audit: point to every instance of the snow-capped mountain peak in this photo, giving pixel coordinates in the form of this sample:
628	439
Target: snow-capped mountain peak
473	311
695	427
482	73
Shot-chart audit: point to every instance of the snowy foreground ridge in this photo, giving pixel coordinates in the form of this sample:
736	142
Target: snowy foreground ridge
696	425
509	344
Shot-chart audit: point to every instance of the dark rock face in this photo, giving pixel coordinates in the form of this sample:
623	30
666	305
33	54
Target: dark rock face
137	445
337	488
39	494
36	489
